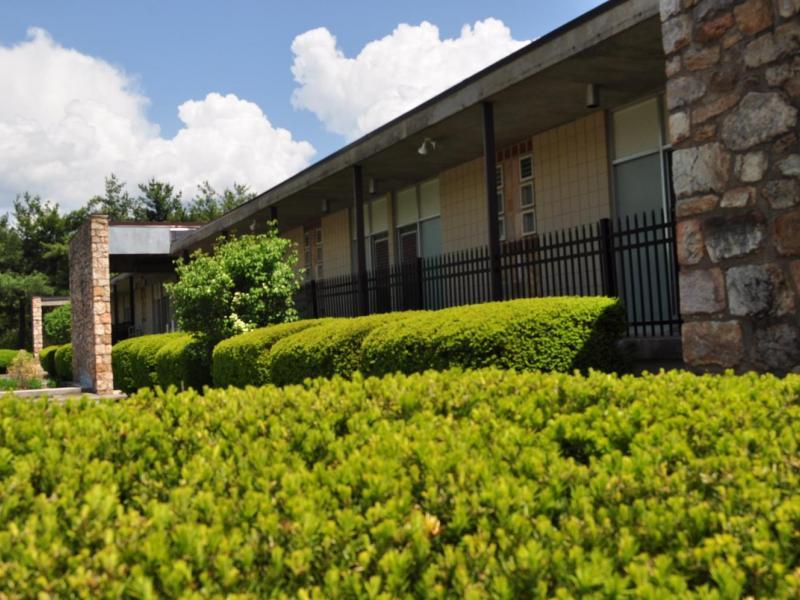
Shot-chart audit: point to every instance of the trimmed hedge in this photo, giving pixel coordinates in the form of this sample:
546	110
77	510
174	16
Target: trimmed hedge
183	362
47	358
243	360
541	334
485	484
332	348
544	334
6	356
63	362
134	360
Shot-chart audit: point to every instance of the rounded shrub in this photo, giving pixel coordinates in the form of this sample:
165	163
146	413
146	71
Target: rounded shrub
47	358
6	356
183	361
134	360
243	359
333	348
58	324
543	334
63	362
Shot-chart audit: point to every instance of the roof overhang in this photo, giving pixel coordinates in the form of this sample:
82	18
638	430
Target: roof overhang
616	46
144	247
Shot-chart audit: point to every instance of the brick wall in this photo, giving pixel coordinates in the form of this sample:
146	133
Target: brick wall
733	94
90	293
462	199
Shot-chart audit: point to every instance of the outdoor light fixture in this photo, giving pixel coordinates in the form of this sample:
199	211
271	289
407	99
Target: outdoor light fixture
428	146
326	206
592	95
371	185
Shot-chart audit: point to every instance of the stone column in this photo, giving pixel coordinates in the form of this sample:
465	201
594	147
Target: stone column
733	92
90	292
36	321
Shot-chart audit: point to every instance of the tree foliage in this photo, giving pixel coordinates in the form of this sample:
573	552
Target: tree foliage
248	282
58	324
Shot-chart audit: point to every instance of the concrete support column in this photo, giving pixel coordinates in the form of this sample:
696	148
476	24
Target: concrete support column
90	291
733	94
36	321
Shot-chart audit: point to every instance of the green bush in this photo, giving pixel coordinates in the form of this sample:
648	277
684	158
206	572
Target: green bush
58	324
332	348
47	358
63	362
243	359
134	360
6	356
544	334
183	362
485	484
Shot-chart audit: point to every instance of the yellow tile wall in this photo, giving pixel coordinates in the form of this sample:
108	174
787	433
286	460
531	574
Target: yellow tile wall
336	244
463	207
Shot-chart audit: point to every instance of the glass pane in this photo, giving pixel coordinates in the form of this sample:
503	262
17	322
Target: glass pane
380	216
638	185
525	167
526	195
528	222
429	199
637	129
501	203
407	206
431	237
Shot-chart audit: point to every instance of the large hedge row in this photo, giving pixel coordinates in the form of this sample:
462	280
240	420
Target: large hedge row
47	358
6	356
134	360
486	484
547	334
62	359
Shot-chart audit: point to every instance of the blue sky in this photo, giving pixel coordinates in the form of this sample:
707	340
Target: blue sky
175	51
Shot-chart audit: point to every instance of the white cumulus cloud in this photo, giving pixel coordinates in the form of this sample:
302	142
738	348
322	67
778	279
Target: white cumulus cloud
67	120
353	96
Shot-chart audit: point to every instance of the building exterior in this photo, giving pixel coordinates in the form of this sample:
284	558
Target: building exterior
647	149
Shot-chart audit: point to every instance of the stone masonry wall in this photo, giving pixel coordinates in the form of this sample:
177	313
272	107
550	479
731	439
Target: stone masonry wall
90	292
36	321
733	93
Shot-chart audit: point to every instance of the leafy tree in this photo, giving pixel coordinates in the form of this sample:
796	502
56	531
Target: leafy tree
16	291
159	202
58	324
207	205
248	282
116	203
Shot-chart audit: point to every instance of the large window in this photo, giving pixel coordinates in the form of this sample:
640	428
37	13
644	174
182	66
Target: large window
312	252
419	226
527	199
639	155
376	233
501	201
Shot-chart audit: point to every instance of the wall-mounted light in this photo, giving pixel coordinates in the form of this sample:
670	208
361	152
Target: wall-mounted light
428	146
326	206
592	95
371	185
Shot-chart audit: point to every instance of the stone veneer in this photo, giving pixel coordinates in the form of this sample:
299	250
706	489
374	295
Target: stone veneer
90	292
36	322
733	93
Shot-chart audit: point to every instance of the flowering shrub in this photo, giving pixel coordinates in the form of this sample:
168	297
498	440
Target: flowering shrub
481	484
248	282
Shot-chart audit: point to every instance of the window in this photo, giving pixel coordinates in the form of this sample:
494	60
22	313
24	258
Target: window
319	252
419	229
638	158
501	203
526	167
307	255
527	198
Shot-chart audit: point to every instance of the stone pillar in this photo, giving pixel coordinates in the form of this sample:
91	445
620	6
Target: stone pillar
733	93
36	321
90	292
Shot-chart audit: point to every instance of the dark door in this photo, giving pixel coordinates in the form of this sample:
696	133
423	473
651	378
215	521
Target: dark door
380	266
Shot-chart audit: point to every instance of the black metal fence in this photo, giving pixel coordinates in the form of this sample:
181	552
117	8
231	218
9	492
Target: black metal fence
633	259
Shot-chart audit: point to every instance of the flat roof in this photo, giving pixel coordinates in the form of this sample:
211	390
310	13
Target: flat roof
329	176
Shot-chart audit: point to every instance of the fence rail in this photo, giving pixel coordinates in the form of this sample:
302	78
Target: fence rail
633	259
